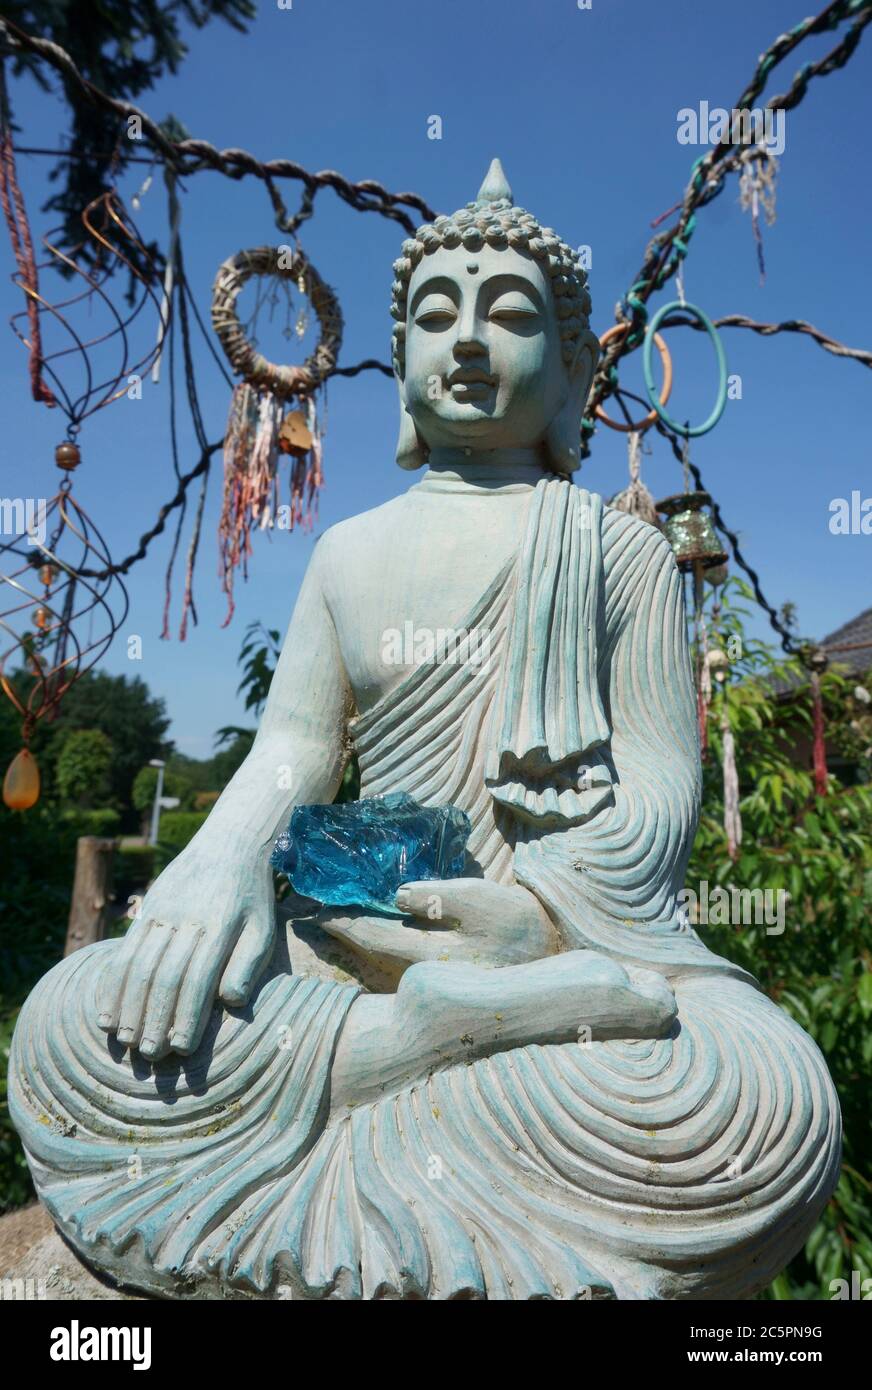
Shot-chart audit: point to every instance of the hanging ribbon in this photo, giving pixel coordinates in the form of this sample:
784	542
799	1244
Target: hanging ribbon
236	517
819	748
307	475
636	499
704	691
703	676
14	211
732	814
756	190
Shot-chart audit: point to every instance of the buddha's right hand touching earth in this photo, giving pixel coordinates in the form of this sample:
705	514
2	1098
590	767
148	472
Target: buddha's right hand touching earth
201	932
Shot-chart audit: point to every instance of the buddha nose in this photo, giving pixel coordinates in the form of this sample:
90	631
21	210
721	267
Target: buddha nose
470	341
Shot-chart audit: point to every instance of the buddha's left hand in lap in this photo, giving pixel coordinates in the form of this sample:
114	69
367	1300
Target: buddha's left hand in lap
461	919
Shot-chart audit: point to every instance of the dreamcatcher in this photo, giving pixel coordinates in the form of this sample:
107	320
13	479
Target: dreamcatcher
65	601
260	427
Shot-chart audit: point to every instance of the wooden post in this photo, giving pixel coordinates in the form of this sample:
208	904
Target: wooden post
91	892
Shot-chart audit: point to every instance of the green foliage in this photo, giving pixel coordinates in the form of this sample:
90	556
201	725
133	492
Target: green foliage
101	820
196	782
134	721
350	787
260	653
16	1189
210	774
124	47
144	788
258	657
83	767
38	847
176	829
133	870
819	851
226	762
123	709
174	784
38	861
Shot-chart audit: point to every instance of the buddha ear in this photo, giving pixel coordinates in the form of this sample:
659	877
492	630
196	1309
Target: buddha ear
563	437
411	449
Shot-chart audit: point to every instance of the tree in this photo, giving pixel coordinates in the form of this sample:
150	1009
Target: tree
260	651
818	851
83	768
145	786
261	647
123	47
122	708
228	760
200	775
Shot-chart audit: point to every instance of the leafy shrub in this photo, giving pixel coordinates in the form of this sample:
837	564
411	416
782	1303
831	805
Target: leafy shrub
176	829
39	859
99	820
818	850
145	786
83	767
133	870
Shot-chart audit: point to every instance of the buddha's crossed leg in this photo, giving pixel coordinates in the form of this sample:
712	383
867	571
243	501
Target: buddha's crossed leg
444	1014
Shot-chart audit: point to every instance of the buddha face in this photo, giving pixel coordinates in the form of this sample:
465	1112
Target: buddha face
483	364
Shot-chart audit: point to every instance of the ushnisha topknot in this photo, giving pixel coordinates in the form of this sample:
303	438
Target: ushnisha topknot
493	220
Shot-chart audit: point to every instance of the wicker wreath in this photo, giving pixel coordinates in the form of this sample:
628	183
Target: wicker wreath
245	360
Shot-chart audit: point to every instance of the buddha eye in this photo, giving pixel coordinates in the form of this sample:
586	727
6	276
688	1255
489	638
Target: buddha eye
436	312
510	307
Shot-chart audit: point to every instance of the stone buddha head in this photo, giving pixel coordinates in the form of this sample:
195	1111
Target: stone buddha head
492	348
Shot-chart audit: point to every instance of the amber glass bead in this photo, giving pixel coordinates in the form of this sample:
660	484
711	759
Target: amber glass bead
21	783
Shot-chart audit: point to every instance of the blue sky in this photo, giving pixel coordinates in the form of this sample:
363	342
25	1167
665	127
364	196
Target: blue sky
582	107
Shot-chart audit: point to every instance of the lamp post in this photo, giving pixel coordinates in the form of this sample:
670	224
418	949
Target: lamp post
158	792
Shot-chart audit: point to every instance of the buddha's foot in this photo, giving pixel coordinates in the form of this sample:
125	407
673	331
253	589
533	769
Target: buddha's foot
443	1014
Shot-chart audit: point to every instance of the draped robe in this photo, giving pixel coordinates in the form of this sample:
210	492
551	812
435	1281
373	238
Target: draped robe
692	1166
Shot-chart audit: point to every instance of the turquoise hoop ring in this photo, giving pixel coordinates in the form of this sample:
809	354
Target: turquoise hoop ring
647	366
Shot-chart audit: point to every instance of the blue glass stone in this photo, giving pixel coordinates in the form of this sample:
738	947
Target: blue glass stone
357	853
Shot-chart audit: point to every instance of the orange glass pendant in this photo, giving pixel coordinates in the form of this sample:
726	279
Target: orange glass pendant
295	437
21	783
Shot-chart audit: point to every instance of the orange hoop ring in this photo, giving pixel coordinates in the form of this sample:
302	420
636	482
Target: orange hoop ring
665	389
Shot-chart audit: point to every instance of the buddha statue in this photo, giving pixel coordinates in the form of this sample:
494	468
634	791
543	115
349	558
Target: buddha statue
535	1081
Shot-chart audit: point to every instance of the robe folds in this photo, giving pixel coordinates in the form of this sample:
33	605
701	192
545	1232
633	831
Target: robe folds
688	1167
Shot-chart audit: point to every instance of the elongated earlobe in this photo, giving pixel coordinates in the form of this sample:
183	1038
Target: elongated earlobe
562	441
562	448
411	451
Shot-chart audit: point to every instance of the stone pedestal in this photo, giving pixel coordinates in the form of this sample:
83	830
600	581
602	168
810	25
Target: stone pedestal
36	1262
